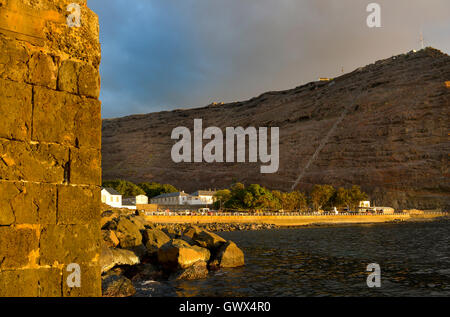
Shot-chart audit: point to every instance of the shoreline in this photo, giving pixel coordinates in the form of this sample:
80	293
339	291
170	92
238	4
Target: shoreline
229	227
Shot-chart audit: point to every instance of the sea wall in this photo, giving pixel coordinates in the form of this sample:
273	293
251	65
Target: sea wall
285	220
50	141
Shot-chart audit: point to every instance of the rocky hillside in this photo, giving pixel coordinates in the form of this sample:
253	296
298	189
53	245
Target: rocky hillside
391	123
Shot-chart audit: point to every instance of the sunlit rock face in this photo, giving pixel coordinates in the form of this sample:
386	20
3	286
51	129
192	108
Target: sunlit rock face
50	139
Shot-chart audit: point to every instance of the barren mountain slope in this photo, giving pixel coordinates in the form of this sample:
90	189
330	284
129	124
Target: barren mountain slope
393	141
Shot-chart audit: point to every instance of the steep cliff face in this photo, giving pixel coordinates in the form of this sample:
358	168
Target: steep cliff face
391	123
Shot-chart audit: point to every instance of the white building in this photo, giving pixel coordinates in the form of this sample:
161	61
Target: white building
179	198
364	203
111	197
201	197
141	200
131	202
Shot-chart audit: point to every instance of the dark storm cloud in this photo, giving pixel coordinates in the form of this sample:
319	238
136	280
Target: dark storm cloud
167	54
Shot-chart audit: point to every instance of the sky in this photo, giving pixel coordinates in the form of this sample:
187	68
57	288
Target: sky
162	55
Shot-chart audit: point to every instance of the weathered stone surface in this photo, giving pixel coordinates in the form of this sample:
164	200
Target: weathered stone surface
111	257
208	240
79	43
178	254
19	283
32	162
128	234
42	70
19	247
15	109
206	254
27	203
154	239
68	76
13	60
192	231
75	120
78	205
110	238
45	282
90	282
38	128
89	81
66	244
85	166
138	221
117	286
197	271
49	284
229	255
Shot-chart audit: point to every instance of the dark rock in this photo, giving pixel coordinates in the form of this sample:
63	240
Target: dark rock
128	233
229	255
197	271
154	239
117	286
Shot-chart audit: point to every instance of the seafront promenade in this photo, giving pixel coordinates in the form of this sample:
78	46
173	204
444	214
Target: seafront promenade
288	219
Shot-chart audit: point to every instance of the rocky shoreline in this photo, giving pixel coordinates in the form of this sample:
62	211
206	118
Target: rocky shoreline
134	250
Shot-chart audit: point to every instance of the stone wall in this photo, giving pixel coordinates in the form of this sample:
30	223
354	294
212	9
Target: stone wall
50	140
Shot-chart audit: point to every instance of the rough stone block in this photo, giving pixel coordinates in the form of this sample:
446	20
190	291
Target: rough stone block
15	110
50	282
78	204
90	285
19	283
65	244
85	167
27	203
42	70
33	162
13	60
75	120
19	247
88	124
68	76
89	81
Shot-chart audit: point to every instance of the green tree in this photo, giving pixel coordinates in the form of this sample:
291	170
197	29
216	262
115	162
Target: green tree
154	189
321	196
125	188
222	197
342	197
356	195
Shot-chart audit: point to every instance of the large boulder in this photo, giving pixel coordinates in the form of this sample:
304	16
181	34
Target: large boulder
178	254
110	238
197	271
208	240
192	231
117	286
139	222
203	251
128	233
110	258
229	255
154	239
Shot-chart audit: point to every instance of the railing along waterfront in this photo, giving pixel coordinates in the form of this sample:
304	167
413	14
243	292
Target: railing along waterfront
307	214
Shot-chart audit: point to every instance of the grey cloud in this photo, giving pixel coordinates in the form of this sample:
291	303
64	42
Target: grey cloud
167	54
